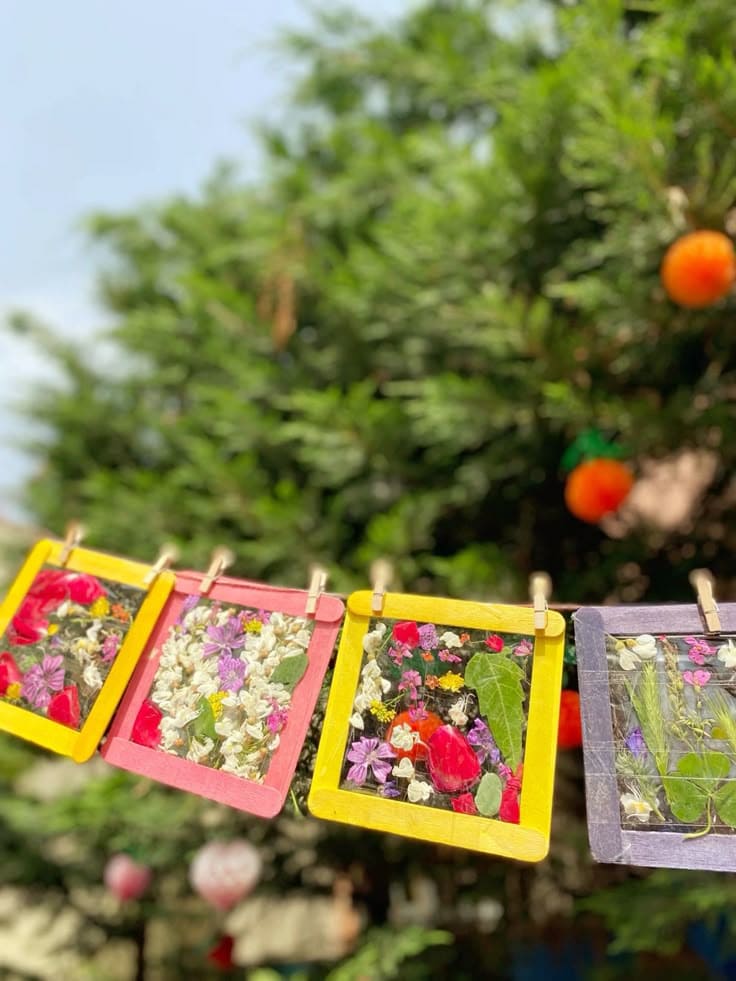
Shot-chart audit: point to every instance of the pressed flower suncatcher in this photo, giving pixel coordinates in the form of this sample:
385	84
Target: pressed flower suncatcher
70	638
442	708
668	734
222	703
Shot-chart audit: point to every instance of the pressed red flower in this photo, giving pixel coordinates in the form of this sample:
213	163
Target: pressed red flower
407	633
10	673
49	590
494	643
570	730
452	762
23	632
64	707
464	804
509	809
424	726
221	955
85	589
146	728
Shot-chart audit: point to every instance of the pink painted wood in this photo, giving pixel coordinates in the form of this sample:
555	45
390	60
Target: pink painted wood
266	799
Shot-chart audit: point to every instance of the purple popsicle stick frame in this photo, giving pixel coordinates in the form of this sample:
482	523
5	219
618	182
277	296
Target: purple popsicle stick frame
610	842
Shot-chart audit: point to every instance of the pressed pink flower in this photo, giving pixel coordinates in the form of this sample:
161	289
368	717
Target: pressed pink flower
110	647
699	649
448	657
696	678
369	755
523	648
428	636
42	679
399	654
277	719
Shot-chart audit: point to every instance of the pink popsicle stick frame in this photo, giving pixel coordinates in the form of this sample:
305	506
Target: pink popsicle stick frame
262	799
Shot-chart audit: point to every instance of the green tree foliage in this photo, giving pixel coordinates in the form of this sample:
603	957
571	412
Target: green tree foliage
385	346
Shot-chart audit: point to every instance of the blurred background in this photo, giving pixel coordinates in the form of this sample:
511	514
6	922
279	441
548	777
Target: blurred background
343	283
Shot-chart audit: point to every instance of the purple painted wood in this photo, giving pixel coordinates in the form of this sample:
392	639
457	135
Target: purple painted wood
608	841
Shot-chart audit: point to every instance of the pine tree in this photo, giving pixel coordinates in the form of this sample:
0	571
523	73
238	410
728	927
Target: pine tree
385	348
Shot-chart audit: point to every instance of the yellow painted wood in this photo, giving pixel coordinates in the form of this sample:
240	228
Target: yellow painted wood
527	841
80	745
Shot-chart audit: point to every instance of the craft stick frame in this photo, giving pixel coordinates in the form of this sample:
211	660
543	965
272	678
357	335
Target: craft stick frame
528	840
80	744
263	799
609	842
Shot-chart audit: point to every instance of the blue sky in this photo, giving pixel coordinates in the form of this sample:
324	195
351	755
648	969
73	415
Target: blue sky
107	105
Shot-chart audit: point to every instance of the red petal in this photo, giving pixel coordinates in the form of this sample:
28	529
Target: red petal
452	763
146	731
64	707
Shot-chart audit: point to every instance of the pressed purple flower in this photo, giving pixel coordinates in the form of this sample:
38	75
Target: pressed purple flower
232	672
418	712
225	639
41	679
482	741
389	789
523	648
277	719
428	637
369	755
110	647
635	744
187	606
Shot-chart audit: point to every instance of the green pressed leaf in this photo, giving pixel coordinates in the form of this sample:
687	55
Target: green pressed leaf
497	680
291	670
687	799
704	768
204	724
488	795
725	802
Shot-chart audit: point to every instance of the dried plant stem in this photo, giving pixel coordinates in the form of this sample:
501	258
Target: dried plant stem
648	707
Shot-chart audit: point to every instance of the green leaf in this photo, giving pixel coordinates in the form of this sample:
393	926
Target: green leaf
204	724
488	795
687	799
497	680
725	801
704	767
291	670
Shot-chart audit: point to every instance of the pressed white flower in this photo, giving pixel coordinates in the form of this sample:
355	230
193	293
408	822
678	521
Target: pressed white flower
450	639
403	736
404	769
356	721
457	712
63	610
199	751
91	677
727	654
633	652
645	646
628	660
373	640
418	791
635	807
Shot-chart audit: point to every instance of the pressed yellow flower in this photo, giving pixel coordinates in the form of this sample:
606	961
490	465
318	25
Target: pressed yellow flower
216	703
380	711
451	681
100	607
13	692
253	627
52	628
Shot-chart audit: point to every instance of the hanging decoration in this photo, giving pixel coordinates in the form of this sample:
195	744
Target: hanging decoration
442	723
659	730
221	704
699	269
72	627
598	482
225	872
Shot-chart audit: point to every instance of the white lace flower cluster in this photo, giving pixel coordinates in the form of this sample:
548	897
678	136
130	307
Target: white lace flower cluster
372	686
185	676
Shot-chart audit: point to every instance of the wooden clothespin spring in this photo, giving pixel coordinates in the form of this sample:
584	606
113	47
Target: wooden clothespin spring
222	557
702	582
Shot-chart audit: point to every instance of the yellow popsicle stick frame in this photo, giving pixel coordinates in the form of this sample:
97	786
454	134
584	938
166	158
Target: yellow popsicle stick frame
528	840
81	744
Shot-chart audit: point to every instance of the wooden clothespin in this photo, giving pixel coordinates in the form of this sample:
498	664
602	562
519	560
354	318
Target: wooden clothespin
74	535
382	572
222	557
540	590
169	553
317	583
702	582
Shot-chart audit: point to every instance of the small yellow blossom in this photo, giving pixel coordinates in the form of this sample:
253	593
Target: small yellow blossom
253	627
380	711
12	692
216	703
100	607
52	628
451	681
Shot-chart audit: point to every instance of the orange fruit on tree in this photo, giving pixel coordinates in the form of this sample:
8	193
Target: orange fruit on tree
596	488
699	268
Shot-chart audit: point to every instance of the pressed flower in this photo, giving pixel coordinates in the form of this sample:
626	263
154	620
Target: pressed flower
422	724
410	679
482	741
42	679
404	769
418	712
380	711
24	632
12	692
523	648
494	643
418	790
110	647
509	810
453	766
457	712
10	673
428	638
373	639
451	681
389	789
52	629
464	638
119	612
406	633
696	678
636	807
231	671
450	639
699	649
146	729
431	681
356	721
449	658
215	701
84	589
727	654
635	650
100	607
427	656
369	755
403	736
635	743
277	719
64	707
224	640
464	804
399	654
253	627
